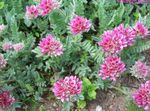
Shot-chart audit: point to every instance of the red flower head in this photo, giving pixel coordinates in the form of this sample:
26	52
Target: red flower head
65	88
6	99
111	68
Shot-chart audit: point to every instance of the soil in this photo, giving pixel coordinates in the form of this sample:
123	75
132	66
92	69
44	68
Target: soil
109	101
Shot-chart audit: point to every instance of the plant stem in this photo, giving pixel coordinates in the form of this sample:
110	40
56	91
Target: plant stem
119	89
66	106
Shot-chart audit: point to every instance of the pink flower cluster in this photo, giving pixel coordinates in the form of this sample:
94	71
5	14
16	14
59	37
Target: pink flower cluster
142	96
2	28
6	100
3	62
18	47
32	12
43	8
79	25
140	69
111	68
113	41
8	46
140	29
65	88
51	46
46	6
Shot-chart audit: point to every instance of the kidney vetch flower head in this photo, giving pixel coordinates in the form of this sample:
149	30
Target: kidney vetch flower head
79	25
7	46
31	12
127	33
142	96
18	47
114	41
68	87
6	100
111	68
47	6
51	46
140	70
140	29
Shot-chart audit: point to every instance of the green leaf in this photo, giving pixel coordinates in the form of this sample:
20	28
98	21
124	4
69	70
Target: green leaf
148	20
86	82
118	14
66	106
133	107
42	24
100	83
57	19
27	22
1	5
81	104
92	94
102	15
38	52
92	87
136	15
29	87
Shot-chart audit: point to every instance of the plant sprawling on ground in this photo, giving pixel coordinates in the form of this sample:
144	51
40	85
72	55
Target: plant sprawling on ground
70	49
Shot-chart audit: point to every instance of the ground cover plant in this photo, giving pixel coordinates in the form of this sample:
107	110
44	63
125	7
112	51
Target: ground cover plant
67	51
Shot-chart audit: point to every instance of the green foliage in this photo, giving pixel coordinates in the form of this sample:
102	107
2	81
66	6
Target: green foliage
89	89
95	52
66	106
81	104
57	19
141	47
118	14
133	107
29	74
1	5
88	93
133	53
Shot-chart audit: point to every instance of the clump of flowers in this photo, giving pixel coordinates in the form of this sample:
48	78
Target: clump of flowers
19	46
3	62
140	29
79	25
6	100
142	96
140	69
51	46
2	28
68	87
128	33
7	46
111	68
114	41
32	12
46	6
